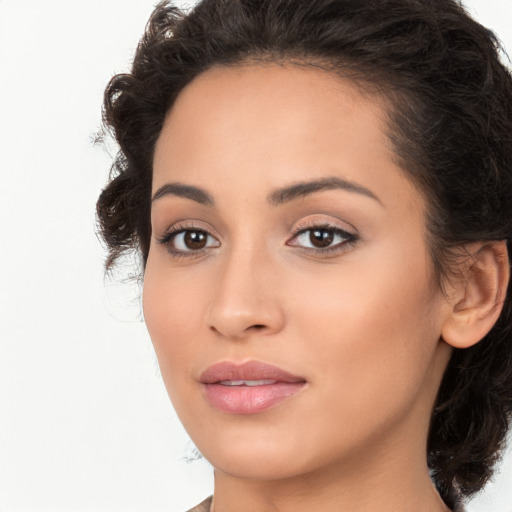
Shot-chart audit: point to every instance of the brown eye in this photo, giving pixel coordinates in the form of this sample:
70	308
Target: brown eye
185	241
321	237
195	239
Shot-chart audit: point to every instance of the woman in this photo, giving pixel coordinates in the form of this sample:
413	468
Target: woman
320	192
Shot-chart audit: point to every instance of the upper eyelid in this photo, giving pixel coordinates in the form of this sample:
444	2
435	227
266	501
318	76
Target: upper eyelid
349	234
180	227
307	225
190	225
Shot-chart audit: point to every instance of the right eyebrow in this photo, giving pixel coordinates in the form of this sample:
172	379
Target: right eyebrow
188	191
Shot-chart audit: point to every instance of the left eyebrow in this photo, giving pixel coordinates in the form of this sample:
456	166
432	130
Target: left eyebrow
304	188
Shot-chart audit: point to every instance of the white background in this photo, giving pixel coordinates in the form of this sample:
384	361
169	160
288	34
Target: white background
85	423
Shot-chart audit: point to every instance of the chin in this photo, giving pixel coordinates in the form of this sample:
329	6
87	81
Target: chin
263	454
254	454
250	465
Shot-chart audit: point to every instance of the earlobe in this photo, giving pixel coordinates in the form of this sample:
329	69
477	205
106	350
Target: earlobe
478	297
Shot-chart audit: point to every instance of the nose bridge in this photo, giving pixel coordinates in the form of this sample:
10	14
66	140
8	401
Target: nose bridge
245	299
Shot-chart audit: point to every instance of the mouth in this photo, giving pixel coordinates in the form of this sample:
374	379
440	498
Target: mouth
249	388
262	382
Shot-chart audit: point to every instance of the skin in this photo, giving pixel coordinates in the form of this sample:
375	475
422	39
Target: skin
361	323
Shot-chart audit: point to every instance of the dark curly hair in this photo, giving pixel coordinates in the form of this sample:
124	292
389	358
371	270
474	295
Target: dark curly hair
450	123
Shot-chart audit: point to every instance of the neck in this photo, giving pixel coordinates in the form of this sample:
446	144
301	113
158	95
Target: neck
354	487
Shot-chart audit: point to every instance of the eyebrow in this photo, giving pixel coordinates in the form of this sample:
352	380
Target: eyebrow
275	198
304	188
188	191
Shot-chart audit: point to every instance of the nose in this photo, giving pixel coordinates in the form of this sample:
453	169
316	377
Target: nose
246	300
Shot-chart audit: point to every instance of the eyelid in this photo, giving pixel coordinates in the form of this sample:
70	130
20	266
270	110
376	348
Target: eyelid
350	236
326	226
324	221
182	227
188	225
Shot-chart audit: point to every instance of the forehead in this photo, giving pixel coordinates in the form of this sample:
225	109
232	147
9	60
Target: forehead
262	126
287	97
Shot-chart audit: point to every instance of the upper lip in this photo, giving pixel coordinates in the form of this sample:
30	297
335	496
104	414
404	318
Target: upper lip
251	370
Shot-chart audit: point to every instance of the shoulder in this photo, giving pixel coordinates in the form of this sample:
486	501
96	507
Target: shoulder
204	506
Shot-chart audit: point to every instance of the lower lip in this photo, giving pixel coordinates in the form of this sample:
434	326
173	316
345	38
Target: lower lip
249	399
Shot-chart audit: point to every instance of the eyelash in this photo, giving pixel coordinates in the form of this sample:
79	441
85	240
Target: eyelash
349	239
176	230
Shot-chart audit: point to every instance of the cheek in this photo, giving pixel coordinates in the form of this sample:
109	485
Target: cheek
366	298
374	334
173	315
172	312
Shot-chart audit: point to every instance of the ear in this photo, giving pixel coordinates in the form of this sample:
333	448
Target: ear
477	298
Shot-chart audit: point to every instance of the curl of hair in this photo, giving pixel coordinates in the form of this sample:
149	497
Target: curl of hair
450	123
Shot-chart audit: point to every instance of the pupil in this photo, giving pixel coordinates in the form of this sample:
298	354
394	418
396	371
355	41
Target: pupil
195	239
321	237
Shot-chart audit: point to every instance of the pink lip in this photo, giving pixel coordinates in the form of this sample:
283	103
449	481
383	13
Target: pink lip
245	399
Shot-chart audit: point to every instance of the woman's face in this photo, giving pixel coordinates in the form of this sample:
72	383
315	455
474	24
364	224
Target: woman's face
288	289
